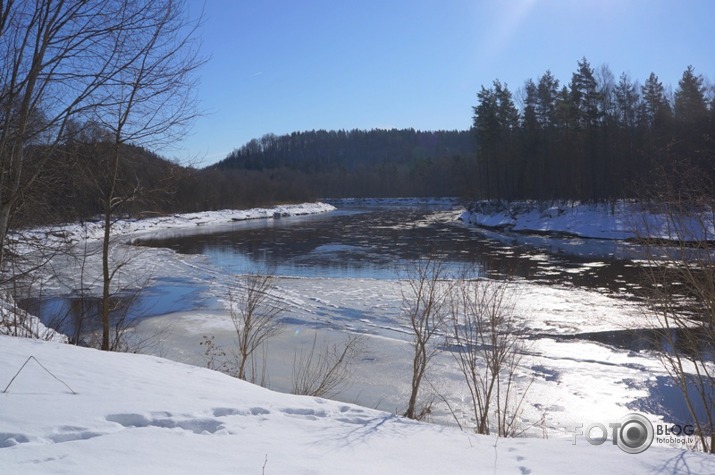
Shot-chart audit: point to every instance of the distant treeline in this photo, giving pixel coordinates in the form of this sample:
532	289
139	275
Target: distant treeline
274	169
72	185
358	162
597	138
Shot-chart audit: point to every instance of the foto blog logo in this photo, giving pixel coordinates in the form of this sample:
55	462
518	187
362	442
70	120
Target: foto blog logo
633	433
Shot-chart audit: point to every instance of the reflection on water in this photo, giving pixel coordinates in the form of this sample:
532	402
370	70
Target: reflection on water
78	316
379	241
361	242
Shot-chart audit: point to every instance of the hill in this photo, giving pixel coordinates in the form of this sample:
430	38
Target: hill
327	150
358	163
86	411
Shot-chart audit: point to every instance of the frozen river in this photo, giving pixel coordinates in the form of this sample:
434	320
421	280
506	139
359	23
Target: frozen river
339	273
376	241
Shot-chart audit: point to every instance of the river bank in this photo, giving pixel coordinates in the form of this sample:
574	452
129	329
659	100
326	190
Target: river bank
619	220
572	379
154	227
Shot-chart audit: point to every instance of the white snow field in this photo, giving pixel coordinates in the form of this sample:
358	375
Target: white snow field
144	415
87	412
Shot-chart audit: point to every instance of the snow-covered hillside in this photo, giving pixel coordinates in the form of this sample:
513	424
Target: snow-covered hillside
134	414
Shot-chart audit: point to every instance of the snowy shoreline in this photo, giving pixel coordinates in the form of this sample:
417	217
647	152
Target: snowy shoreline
160	226
15	321
184	411
622	220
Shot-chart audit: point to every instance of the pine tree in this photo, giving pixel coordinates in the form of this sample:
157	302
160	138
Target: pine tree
548	97
626	101
531	101
507	113
690	105
486	121
655	109
585	96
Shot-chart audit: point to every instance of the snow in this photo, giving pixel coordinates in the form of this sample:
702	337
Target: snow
572	380
621	220
143	414
160	226
16	322
78	266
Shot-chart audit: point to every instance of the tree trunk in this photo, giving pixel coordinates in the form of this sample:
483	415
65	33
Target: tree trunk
5	209
107	274
106	280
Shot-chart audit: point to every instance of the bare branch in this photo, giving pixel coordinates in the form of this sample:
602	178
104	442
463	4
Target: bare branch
325	373
486	343
680	272
425	294
255	316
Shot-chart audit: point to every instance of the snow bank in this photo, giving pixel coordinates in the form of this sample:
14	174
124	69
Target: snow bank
16	322
396	202
42	244
154	227
622	220
86	412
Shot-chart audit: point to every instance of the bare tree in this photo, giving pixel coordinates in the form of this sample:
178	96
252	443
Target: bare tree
15	321
486	343
255	315
425	294
677	231
24	281
78	272
149	101
59	59
327	372
125	65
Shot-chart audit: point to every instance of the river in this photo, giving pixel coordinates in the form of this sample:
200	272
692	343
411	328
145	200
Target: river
338	273
372	240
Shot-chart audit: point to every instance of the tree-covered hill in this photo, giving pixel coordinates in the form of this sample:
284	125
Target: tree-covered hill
321	150
356	163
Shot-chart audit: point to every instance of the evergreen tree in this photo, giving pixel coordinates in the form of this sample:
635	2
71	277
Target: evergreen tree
548	101
507	113
690	105
531	101
496	119
655	109
585	96
593	139
627	99
486	120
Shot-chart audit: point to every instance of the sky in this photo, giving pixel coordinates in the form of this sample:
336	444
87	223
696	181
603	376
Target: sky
279	66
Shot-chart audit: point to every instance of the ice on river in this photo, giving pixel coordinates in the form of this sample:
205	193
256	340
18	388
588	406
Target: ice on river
572	380
142	413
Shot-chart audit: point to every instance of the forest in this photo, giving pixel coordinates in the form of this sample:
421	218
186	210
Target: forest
361	163
596	139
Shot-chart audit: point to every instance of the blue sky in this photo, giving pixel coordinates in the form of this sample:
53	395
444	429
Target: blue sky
278	66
